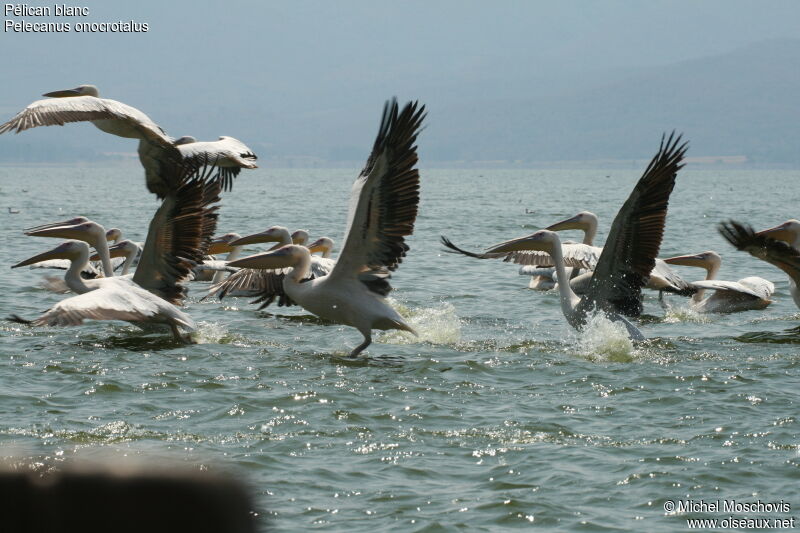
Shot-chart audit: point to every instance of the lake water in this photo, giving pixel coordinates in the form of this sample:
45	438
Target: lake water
498	416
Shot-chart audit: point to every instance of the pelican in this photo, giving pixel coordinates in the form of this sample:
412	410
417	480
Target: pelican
212	269
729	296
777	246
157	150
578	256
630	251
178	234
127	250
383	209
263	283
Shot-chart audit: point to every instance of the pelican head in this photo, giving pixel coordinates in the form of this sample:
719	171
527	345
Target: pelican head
186	139
273	234
583	221
283	257
323	244
788	232
66	250
80	90
222	244
89	232
543	240
709	260
300	237
114	234
123	248
70	222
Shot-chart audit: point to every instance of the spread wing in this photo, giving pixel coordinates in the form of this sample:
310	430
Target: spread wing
773	251
761	291
576	255
266	284
664	278
105	303
634	240
60	111
179	234
385	196
228	154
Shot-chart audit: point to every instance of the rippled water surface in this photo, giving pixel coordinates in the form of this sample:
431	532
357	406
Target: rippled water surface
497	416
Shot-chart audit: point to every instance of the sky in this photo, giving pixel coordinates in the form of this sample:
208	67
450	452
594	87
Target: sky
269	68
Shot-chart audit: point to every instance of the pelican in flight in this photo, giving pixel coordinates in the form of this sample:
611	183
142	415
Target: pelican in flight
178	235
264	283
383	209
630	250
777	246
157	150
729	296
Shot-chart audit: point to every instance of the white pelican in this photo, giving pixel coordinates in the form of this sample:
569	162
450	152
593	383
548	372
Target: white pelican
383	209
630	250
267	284
178	235
777	246
215	269
157	150
127	250
729	296
116	298
578	256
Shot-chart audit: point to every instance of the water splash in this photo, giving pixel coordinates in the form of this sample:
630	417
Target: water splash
436	325
679	314
604	340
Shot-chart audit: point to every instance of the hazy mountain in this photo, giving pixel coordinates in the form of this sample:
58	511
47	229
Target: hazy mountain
739	103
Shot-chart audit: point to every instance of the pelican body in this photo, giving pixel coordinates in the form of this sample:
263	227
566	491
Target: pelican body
383	209
157	150
747	294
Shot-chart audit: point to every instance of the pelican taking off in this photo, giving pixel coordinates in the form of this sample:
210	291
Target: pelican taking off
629	254
156	148
178	235
383	209
729	296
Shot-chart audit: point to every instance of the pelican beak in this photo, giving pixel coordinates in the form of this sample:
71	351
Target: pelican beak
255	238
62	232
316	246
694	260
118	250
70	222
779	232
280	258
530	242
218	246
65	93
56	253
570	223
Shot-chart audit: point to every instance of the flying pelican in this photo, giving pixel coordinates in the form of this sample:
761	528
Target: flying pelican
729	296
263	283
178	235
157	150
777	246
383	209
628	256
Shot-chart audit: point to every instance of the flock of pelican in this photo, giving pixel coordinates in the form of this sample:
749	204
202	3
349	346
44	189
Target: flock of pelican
189	177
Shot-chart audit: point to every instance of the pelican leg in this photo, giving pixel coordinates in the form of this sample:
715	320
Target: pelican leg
186	339
360	348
